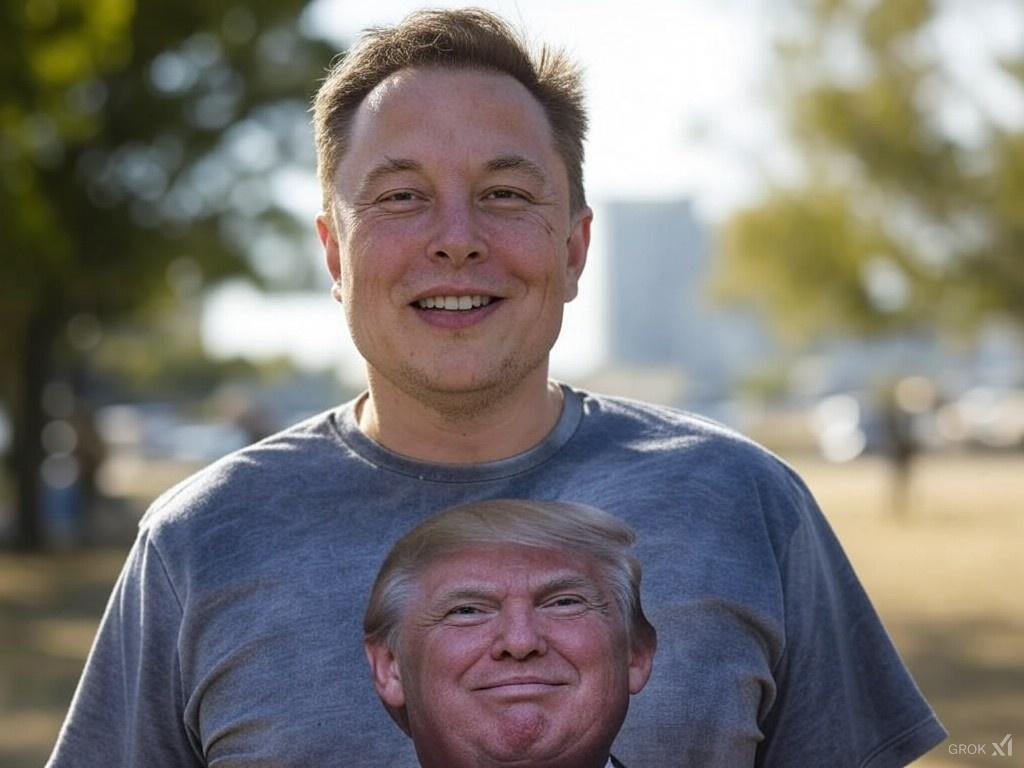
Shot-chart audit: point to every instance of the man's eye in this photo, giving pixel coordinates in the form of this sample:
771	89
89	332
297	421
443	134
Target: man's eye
468	613
567	603
505	194
397	197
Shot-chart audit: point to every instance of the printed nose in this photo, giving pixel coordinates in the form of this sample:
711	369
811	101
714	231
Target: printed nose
457	238
519	636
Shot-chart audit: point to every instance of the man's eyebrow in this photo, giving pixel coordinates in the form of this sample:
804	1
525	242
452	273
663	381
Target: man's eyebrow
568	582
517	163
387	167
470	591
460	594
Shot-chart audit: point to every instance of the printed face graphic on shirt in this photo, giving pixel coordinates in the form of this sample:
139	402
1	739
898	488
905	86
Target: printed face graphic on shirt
512	654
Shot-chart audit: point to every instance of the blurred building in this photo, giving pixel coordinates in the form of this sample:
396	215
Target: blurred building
666	339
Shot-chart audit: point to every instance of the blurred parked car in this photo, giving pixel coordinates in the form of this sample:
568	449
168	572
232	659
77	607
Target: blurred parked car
984	417
847	425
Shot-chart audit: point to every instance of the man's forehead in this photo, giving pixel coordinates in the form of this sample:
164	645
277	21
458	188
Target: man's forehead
411	100
414	79
377	97
444	119
499	568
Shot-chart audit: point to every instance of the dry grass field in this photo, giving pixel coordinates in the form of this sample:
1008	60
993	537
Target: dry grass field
948	581
947	578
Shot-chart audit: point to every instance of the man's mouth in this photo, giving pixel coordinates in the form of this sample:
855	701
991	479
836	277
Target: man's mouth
454	303
521	683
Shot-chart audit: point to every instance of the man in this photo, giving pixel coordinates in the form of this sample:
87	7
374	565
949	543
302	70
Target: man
510	632
455	226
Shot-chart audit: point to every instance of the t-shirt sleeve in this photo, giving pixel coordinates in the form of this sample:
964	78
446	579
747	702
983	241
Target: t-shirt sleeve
128	708
843	695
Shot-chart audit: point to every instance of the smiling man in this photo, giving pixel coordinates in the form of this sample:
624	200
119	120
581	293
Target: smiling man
455	226
454	240
510	632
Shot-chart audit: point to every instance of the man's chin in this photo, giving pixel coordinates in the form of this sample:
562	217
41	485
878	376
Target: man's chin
521	739
466	380
530	736
520	731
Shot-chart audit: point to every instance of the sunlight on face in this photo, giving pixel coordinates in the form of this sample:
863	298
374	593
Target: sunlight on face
451	236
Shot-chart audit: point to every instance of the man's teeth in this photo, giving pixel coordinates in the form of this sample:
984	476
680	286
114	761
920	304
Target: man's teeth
453	302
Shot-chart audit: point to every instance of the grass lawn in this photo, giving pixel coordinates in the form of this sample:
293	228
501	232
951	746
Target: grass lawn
948	581
947	578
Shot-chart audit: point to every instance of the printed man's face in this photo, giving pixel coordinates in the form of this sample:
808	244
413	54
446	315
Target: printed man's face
512	654
451	234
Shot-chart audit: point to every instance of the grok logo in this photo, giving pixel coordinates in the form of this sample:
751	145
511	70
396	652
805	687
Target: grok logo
1003	748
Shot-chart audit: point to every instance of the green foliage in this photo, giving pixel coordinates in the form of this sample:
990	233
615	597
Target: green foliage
825	246
136	138
887	23
182	372
124	132
897	222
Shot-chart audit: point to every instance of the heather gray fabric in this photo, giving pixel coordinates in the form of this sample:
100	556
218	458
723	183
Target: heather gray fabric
233	635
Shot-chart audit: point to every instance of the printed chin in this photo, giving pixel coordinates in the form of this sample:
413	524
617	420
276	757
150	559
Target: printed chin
520	729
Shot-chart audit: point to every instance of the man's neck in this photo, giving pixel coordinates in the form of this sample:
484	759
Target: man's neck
467	428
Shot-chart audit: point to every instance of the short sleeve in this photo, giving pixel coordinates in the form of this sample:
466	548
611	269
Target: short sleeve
844	696
128	708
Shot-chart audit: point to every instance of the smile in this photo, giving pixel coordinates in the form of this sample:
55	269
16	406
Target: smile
454	303
521	684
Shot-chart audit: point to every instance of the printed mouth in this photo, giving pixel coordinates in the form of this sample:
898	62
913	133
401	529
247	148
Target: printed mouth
455	303
524	686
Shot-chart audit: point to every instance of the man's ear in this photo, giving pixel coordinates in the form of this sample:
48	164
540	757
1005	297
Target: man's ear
387	677
329	240
577	246
641	659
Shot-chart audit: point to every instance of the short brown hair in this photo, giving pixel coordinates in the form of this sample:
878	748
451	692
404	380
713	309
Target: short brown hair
468	38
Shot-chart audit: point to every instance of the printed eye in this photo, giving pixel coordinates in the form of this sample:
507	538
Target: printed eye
566	605
464	610
466	615
567	600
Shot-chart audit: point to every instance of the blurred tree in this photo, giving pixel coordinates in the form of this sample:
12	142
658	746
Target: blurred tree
145	151
908	211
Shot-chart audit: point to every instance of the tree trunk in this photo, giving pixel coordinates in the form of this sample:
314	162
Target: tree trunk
28	421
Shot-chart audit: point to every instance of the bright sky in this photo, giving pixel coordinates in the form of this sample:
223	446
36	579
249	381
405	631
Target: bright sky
673	94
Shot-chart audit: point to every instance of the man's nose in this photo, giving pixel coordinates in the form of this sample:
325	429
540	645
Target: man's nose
457	236
520	635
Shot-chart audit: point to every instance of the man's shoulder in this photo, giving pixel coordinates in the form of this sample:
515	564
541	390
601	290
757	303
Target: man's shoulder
648	427
274	465
688	454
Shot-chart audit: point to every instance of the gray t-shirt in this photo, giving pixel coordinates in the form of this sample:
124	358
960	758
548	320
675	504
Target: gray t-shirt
233	637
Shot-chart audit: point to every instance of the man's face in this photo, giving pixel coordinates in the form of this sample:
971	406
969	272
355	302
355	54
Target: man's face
511	655
451	234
